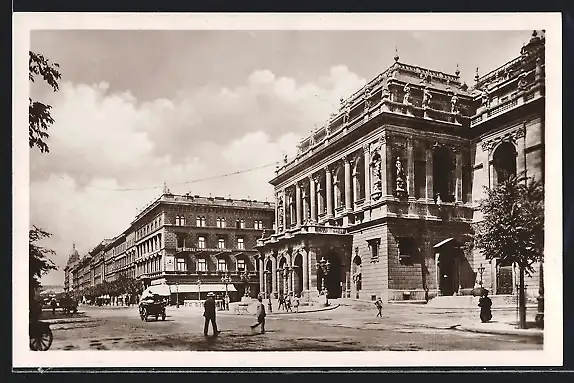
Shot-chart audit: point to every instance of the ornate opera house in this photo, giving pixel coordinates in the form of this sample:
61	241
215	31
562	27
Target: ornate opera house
379	201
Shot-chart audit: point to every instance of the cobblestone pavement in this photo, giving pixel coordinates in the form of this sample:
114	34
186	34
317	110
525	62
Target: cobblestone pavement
342	329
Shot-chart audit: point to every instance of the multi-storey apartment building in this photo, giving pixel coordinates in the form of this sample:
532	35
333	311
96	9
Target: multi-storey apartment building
187	242
380	200
191	242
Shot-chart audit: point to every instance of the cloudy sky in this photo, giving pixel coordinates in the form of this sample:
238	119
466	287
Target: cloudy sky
140	108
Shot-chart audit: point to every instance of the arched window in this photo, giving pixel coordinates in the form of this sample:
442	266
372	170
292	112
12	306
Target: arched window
504	162
443	174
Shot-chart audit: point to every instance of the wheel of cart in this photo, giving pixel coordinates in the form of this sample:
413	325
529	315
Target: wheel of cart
41	336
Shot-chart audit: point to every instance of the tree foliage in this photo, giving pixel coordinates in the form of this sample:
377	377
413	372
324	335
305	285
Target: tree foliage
40	262
39	113
513	226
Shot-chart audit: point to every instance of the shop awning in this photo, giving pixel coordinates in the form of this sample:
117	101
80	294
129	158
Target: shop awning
442	243
205	287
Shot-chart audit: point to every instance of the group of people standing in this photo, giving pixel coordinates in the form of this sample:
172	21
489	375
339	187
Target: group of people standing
289	302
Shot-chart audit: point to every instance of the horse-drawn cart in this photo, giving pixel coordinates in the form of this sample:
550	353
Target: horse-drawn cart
152	308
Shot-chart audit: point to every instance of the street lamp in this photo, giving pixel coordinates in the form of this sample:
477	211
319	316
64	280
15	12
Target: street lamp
324	266
199	285
226	278
481	271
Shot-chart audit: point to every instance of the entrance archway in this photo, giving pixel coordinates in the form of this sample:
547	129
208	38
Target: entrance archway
357	275
449	261
298	274
282	276
268	279
333	278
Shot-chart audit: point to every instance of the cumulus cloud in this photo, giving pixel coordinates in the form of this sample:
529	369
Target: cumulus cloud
104	141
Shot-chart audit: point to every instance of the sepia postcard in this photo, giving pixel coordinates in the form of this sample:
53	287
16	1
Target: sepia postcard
287	190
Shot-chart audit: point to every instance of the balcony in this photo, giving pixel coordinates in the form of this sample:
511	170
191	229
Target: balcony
204	250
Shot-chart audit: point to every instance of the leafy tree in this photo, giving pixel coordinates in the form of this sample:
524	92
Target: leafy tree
39	113
39	121
513	228
40	262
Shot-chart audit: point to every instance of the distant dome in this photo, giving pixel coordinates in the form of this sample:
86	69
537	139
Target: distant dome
74	255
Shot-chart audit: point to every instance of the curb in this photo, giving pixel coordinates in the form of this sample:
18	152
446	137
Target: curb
328	308
458	327
275	313
517	332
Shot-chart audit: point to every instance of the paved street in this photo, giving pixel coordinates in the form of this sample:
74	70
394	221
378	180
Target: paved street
342	329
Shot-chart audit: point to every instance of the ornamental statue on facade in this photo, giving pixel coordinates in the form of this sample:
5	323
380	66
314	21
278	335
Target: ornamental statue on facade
376	171
401	179
454	104
407	96
426	97
484	97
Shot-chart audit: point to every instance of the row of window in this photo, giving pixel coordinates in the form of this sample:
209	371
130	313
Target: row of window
202	243
181	265
145	230
220	222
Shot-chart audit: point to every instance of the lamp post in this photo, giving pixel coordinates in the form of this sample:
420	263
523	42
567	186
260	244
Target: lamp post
324	266
199	286
226	278
267	274
176	295
481	271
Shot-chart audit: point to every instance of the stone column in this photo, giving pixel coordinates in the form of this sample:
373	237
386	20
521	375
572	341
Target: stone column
521	167
356	191
429	176
348	188
367	158
284	210
312	199
290	279
274	285
410	169
305	269
458	174
261	274
277	207
298	203
329	191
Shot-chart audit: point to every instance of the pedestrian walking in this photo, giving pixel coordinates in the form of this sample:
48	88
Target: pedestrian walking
226	302
379	304
260	315
296	303
281	302
209	314
269	304
485	305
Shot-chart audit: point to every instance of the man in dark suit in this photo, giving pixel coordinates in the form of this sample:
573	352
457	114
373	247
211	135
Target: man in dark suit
209	314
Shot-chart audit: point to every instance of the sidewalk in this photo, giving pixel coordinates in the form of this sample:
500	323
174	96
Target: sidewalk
464	319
